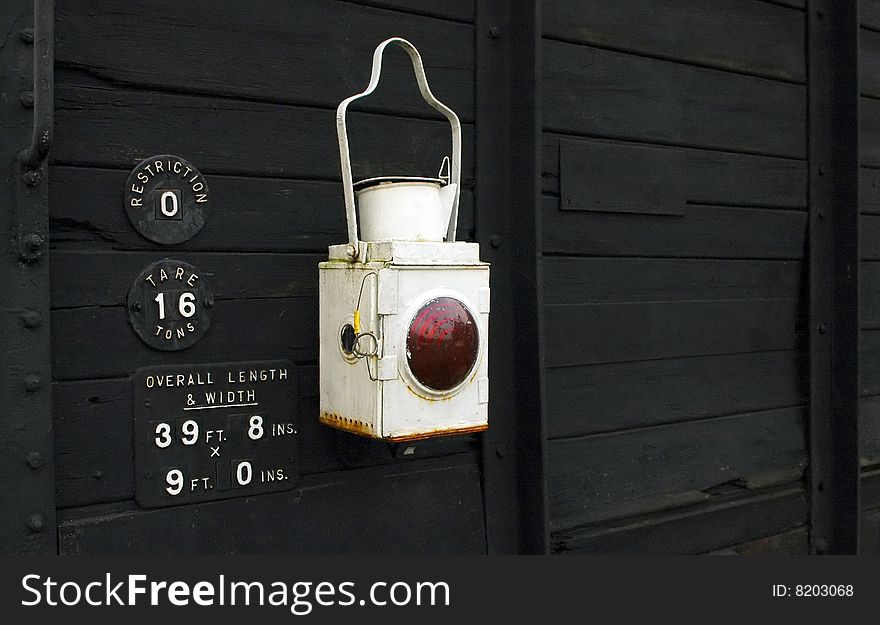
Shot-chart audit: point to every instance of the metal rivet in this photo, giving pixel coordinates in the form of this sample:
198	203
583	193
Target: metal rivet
35	460
136	306
822	328
98	475
494	32
147	403
36	523
27	99
34	242
27	34
500	451
32	382
495	240
820	214
209	303
30	319
33	177
821	545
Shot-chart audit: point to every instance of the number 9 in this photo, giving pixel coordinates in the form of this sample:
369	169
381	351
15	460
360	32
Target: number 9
174	479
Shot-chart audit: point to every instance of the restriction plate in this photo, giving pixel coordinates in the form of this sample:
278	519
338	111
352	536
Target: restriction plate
214	431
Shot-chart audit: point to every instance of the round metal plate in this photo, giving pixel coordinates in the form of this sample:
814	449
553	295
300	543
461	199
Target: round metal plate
166	199
169	305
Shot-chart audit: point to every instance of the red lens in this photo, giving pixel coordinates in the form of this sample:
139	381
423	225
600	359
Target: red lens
442	344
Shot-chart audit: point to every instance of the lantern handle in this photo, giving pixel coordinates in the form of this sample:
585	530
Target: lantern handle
345	158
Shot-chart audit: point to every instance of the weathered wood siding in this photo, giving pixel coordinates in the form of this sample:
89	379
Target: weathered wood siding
675	348
248	94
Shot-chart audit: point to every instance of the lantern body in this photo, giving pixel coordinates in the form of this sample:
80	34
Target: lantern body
421	364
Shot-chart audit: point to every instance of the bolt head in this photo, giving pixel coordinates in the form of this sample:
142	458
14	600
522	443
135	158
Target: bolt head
27	99
494	32
33	177
495	240
36	523
35	460
32	382
27	34
30	319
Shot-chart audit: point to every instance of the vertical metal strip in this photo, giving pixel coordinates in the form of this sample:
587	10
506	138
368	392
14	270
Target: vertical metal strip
508	217
833	97
27	490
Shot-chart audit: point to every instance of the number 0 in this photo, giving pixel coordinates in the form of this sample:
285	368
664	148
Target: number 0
244	473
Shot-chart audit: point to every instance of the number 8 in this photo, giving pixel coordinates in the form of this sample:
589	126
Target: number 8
255	431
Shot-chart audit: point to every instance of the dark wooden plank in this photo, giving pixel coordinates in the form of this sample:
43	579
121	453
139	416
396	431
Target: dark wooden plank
621	178
599	398
790	543
232	276
725	520
458	10
869	13
869	62
869	532
869	191
432	507
595	280
600	333
94	469
589	91
704	231
271	52
98	342
117	128
870	488
597	478
711	177
869	235
247	214
869	362
737	35
869	430
869	297
869	132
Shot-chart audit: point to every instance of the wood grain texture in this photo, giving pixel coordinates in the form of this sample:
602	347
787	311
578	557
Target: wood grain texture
703	232
430	508
597	478
95	469
869	13
587	91
98	342
600	333
271	52
232	276
737	35
599	398
248	214
615	280
790	543
725	520
711	177
116	128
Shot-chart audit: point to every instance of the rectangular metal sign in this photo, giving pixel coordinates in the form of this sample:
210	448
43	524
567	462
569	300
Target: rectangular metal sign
214	431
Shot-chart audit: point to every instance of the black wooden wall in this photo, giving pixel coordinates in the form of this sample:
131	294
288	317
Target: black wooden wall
247	92
639	175
674	232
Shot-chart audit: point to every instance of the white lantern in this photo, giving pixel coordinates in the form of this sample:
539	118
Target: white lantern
404	310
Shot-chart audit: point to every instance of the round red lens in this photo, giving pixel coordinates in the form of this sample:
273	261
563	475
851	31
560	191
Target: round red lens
442	344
